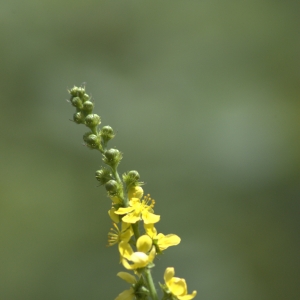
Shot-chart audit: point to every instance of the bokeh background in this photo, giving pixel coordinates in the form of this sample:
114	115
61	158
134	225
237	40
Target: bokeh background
204	96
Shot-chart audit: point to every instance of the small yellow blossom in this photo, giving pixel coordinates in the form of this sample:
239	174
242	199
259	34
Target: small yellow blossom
127	294
160	240
138	210
139	259
116	236
177	286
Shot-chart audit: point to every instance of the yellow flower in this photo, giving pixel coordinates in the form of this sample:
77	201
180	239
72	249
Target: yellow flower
160	240
177	286
127	294
139	259
138	210
116	236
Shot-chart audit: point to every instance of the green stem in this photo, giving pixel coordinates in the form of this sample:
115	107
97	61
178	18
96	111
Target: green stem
150	283
136	231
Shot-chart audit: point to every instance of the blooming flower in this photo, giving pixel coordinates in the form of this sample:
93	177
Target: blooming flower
138	210
127	294
116	236
177	286
139	259
160	240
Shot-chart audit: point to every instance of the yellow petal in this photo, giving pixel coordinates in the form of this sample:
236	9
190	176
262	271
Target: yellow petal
124	210
149	217
125	249
131	218
150	230
166	241
127	277
144	243
139	259
113	216
177	286
152	255
126	295
188	297
169	273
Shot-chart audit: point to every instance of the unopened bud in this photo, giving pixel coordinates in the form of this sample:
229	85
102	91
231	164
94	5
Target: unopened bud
103	175
88	106
92	140
92	120
111	186
112	157
131	178
76	102
78	118
77	92
107	133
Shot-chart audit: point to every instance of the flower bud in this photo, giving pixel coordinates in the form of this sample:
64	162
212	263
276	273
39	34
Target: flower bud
135	192
88	106
112	157
85	97
92	140
103	175
134	175
107	133
78	118
76	102
111	186
77	92
92	120
131	178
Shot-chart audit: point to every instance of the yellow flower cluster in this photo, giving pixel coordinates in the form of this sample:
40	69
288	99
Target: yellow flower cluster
147	246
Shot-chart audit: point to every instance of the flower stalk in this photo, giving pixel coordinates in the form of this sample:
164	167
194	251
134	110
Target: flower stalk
129	209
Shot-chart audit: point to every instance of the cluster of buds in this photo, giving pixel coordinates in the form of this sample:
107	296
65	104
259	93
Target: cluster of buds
95	138
131	213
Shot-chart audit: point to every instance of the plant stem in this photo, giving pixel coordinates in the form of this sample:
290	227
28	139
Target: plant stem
136	231
150	283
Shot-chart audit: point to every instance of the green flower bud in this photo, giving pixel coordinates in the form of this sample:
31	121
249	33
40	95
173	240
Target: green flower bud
92	120
85	97
112	157
107	133
76	102
91	140
78	118
131	178
134	175
103	175
88	106
111	186
77	92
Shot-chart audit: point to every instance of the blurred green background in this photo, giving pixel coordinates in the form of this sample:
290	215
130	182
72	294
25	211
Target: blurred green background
204	96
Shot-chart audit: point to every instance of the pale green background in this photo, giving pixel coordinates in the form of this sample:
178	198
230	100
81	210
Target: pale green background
204	96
